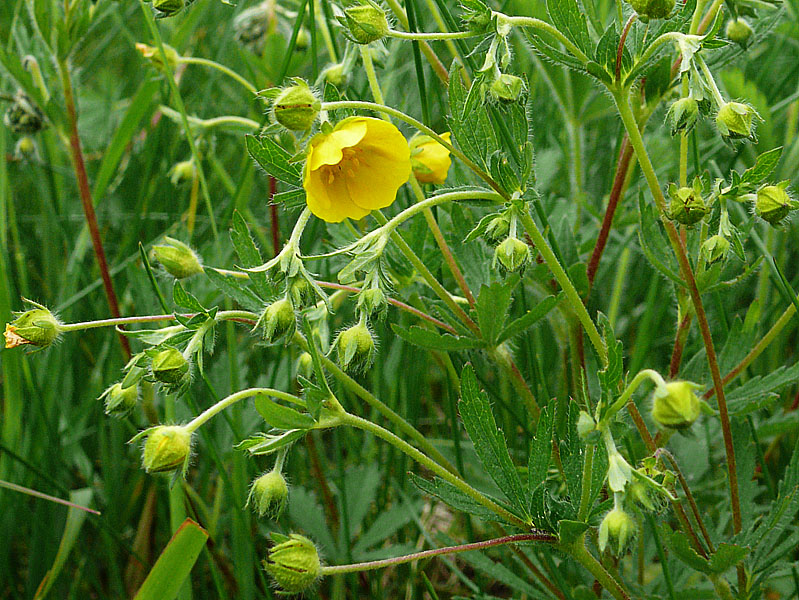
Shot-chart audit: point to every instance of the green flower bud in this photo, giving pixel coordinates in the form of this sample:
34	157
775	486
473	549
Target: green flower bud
25	148
153	55
618	528
301	292
497	229
293	563
676	406
682	115
373	302
23	116
183	171
652	9
278	320
715	248
120	401
735	121
303	39
477	16
356	348
506	88
739	31
512	255
366	22
305	365
773	203
167	448
177	258
687	205
639	492
168	8
269	495
335	75
296	107
170	367
252	26
37	327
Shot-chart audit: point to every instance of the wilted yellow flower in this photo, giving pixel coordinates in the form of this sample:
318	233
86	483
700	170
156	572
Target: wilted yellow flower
355	169
430	159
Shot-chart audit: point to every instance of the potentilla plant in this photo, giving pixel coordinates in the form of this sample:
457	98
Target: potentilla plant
442	221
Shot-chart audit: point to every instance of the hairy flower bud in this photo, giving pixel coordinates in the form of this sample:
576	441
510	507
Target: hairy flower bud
373	302
177	258
305	365
653	9
252	25
682	115
170	367
269	494
335	74
23	116
366	22
169	8
37	327
497	229
167	448
676	405
739	31
356	348
153	55
773	203
618	528
687	205
296	107
715	248
293	563
301	292
278	320
735	121
512	255
25	148
506	88
120	401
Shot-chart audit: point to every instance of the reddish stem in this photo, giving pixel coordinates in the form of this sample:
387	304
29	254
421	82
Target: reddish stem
620	49
679	345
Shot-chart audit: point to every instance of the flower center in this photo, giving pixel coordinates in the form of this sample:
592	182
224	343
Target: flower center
347	165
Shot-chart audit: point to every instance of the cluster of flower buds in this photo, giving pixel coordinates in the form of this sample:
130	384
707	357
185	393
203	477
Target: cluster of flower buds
178	259
37	327
365	22
293	562
652	9
269	494
23	116
687	206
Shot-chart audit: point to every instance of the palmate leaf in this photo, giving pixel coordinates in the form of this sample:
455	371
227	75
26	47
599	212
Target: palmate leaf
471	129
489	441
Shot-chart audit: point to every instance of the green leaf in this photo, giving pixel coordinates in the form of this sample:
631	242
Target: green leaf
281	417
489	442
569	531
654	245
183	298
471	130
540	450
681	547
175	563
248	254
493	303
570	20
760	388
528	319
274	159
431	340
265	443
726	557
764	165
233	288
453	497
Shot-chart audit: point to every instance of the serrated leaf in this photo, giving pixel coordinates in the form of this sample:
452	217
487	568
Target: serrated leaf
293	198
267	444
493	303
727	556
489	441
183	298
763	167
760	387
431	340
570	20
540	450
681	547
453	497
530	318
233	288
472	131
248	253
274	159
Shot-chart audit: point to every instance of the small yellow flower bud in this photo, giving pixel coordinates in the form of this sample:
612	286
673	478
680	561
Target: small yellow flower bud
153	55
715	248
296	107
676	406
430	160
294	564
735	121
367	22
739	31
167	448
682	115
687	205
178	259
23	116
652	9
618	528
773	203
183	171
37	327
512	255
25	147
170	367
356	348
278	320
269	494
506	88
120	401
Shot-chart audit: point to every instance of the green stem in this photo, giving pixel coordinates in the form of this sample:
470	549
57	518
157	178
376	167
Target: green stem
214	410
642	376
239	122
406	35
425	461
534	23
585	558
224	315
193	60
565	283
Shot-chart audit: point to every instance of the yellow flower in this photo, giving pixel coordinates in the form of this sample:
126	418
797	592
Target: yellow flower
430	159
356	168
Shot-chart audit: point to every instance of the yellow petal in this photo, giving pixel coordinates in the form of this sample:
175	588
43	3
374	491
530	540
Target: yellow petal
330	201
326	149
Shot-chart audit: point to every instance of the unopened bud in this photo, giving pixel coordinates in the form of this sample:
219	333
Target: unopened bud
253	24
715	248
618	529
23	116
120	401
37	327
512	255
177	258
735	121
335	75
183	171
356	348
296	107
170	367
682	115
687	205
373	302
301	292
269	495
652	9
25	147
773	203
739	31
429	159
168	8
497	229
153	55
676	405
366	22
303	39
167	448
293	563
305	365
278	320
506	88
